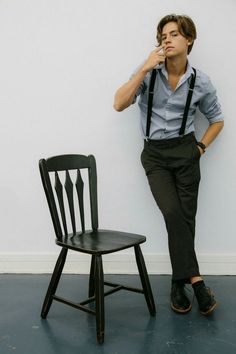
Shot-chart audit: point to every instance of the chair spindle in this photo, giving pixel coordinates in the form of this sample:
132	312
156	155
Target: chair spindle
80	193
69	192
59	192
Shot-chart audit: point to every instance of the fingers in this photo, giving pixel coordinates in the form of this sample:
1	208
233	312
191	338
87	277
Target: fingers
160	53
159	48
155	58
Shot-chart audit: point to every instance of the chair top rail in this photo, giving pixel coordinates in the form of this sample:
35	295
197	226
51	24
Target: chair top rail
68	162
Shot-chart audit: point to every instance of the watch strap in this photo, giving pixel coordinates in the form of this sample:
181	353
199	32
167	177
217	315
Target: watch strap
203	146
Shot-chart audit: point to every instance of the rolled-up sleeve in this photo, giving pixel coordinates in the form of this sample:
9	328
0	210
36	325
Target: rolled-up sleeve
143	86
141	89
209	104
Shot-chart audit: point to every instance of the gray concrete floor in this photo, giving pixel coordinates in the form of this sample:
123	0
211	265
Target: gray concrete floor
129	328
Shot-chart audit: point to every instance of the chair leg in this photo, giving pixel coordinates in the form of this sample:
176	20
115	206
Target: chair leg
92	277
99	298
54	282
145	280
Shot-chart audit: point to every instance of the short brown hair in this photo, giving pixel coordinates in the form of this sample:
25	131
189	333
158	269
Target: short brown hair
185	24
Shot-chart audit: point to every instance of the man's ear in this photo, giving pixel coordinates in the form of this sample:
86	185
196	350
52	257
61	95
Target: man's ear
190	41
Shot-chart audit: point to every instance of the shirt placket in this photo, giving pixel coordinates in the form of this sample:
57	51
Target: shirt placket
168	111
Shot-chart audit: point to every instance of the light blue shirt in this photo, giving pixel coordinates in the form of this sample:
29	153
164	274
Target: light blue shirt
168	105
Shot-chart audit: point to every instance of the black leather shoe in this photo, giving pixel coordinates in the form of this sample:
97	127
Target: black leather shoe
179	301
206	300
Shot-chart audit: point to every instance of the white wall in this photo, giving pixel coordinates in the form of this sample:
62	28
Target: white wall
60	64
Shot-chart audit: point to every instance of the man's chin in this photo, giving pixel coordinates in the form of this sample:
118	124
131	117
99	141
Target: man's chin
171	55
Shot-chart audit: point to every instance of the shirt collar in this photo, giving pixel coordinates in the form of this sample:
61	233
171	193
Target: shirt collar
189	71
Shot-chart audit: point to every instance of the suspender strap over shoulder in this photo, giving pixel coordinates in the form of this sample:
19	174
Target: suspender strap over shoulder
150	100
188	102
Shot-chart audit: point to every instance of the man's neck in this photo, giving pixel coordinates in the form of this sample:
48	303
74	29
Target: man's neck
176	66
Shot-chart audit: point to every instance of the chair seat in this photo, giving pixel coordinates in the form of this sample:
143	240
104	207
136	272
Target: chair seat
100	241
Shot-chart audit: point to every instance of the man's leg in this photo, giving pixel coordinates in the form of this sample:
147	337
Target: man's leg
162	185
162	181
180	238
187	179
187	183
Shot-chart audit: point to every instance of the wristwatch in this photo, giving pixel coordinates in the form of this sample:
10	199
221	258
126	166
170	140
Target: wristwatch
202	146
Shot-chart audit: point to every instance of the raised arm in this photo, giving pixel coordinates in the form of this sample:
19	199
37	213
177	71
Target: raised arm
124	96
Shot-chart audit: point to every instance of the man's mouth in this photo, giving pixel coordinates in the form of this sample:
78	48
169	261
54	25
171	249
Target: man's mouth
168	48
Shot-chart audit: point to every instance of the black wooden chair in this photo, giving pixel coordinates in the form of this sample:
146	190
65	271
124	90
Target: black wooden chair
95	242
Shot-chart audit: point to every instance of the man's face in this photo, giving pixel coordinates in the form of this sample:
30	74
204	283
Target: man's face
173	42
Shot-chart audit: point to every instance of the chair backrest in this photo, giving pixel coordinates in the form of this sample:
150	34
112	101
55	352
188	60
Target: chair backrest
67	163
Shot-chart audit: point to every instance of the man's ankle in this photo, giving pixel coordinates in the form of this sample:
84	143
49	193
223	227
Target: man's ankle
198	285
177	281
195	279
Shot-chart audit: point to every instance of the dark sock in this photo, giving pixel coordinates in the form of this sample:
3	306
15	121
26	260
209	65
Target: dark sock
179	281
198	285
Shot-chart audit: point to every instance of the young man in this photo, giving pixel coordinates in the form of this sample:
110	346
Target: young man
171	153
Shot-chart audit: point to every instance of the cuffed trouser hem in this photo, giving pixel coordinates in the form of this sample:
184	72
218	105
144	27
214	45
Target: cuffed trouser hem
185	278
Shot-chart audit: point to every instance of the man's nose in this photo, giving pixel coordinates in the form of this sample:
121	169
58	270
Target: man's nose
167	39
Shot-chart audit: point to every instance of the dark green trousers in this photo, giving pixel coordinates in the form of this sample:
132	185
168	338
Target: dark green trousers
172	169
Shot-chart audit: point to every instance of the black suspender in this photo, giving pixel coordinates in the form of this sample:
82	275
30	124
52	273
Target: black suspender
186	109
150	99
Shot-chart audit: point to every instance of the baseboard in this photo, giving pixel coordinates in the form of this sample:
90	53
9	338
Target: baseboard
119	263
